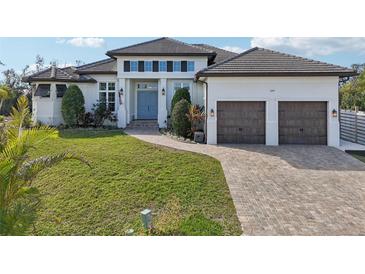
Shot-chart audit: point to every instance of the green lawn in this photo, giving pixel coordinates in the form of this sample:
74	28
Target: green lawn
358	154
186	191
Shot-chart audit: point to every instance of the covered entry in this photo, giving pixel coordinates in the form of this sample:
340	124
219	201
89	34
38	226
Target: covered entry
241	122
303	123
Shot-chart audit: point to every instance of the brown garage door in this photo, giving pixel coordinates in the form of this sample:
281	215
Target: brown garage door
241	122
303	123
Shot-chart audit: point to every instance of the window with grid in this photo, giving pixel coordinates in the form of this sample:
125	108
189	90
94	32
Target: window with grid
107	94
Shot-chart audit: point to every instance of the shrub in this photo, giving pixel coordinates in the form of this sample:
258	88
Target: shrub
2	118
101	114
199	225
73	105
180	121
181	93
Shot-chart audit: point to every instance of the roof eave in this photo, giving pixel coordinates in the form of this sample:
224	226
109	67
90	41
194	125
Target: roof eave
95	72
31	80
274	74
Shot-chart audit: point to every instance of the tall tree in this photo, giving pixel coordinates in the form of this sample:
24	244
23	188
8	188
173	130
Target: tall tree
5	93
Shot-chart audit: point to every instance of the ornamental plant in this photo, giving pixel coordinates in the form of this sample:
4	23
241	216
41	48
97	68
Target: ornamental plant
179	118
181	93
73	106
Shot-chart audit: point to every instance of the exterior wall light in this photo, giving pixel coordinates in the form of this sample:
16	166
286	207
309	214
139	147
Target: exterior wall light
211	112
334	113
163	92
121	96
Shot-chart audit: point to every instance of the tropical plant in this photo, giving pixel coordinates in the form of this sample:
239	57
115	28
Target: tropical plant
179	118
102	113
5	93
196	115
73	105
181	93
18	196
352	94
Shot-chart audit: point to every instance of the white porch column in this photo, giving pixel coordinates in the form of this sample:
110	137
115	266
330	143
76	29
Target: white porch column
122	110
272	122
53	97
162	110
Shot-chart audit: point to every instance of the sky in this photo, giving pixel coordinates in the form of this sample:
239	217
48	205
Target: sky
16	53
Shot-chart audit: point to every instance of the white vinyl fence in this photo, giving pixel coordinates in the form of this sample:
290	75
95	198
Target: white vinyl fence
352	125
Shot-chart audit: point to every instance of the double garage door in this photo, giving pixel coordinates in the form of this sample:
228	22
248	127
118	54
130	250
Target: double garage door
243	122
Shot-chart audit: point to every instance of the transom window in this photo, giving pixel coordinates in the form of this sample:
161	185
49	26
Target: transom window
178	85
107	94
163	66
134	65
148	66
191	66
159	66
177	66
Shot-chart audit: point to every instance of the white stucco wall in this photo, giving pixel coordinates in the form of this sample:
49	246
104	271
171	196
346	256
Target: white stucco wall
48	110
272	90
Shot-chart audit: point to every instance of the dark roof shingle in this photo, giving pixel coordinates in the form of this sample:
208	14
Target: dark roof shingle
162	47
54	74
106	66
222	54
264	62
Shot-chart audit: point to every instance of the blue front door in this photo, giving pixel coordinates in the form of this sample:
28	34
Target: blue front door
147	102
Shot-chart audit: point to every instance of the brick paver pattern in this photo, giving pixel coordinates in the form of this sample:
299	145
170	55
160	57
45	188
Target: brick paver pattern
287	190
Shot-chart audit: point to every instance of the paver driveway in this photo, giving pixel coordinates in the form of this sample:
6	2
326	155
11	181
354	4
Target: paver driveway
288	190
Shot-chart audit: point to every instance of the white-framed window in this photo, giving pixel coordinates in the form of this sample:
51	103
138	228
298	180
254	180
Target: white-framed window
111	86
178	85
102	86
107	94
177	66
191	66
163	66
148	66
134	66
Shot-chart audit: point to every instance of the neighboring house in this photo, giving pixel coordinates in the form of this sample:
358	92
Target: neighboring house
258	96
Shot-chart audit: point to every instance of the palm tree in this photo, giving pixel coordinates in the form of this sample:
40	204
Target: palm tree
5	93
18	197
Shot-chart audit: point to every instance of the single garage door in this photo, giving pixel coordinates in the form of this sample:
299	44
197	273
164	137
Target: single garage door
303	123
241	122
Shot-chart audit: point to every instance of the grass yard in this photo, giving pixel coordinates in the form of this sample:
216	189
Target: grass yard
360	155
187	192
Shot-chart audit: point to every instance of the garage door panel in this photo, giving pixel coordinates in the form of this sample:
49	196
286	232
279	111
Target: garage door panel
303	123
241	122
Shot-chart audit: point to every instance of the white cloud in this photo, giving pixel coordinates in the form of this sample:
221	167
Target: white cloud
310	46
234	49
90	42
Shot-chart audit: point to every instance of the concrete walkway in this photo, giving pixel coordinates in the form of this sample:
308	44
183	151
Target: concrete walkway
287	190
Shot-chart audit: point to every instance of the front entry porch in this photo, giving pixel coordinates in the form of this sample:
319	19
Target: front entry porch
142	100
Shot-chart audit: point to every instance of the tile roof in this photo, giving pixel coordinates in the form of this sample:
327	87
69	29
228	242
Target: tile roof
264	62
162	47
221	53
106	66
54	74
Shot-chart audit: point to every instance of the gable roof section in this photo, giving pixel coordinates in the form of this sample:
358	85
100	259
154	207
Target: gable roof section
106	66
162	47
264	62
54	74
221	53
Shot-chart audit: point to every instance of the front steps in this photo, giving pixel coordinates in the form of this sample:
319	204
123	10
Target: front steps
143	124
